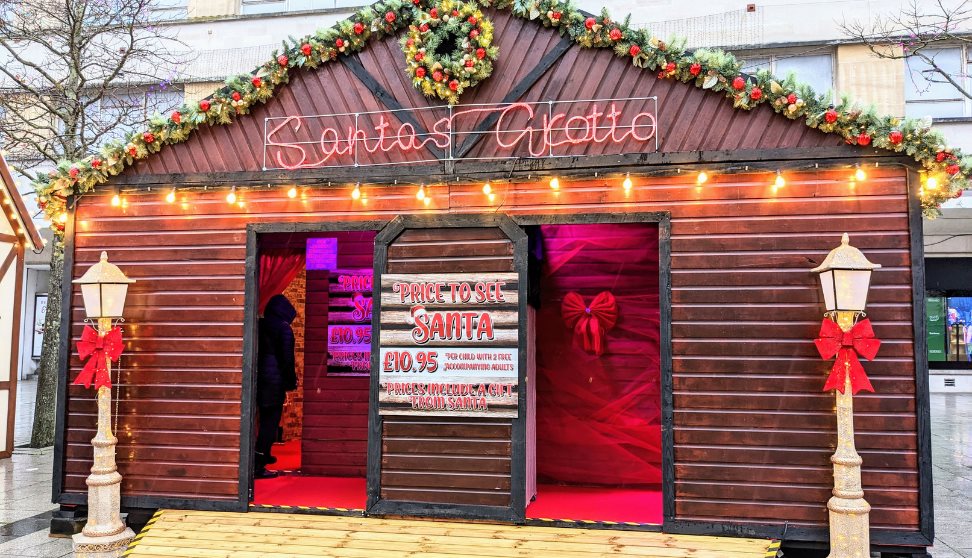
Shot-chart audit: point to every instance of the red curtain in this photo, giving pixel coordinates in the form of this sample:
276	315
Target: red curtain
278	267
599	417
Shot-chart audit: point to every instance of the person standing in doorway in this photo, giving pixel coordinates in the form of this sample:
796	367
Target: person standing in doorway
276	375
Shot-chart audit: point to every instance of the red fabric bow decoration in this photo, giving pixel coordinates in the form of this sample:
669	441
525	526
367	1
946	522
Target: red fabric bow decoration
590	323
100	349
859	340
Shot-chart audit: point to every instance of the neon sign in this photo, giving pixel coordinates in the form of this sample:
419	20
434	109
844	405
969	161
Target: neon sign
484	131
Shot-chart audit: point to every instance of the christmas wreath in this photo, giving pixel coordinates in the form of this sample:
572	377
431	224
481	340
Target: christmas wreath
448	48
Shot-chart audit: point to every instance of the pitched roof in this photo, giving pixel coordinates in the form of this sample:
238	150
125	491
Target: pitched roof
16	211
710	70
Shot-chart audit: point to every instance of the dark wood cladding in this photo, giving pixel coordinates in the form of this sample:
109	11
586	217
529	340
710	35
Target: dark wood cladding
448	460
681	109
753	431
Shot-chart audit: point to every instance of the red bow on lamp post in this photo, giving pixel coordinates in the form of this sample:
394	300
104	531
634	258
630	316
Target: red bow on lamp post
590	323
100	349
860	340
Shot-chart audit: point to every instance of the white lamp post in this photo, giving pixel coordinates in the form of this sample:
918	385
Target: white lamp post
103	288
845	276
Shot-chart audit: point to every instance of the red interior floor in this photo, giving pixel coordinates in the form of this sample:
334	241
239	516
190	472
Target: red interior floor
590	503
288	456
327	492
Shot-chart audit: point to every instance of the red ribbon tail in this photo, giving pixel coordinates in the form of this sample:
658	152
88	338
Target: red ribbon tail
596	346
847	362
87	374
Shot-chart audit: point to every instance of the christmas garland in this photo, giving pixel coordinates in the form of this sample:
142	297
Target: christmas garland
448	49
707	69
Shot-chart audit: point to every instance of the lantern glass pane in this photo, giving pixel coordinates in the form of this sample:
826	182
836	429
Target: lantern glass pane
851	288
827	283
114	299
91	293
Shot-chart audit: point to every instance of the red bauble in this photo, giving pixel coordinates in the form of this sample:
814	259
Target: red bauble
434	13
791	98
556	16
390	17
359	28
176	117
756	94
470	63
283	60
940	156
96	163
339	43
590	23
831	116
306	49
257	82
474	33
863	139
895	137
416	2
480	53
635	50
420	72
455	13
471	20
148	137
952	169
419	56
662	75
204	105
132	151
424	27
695	69
74	172
437	75
454	85
236	96
738	83
616	34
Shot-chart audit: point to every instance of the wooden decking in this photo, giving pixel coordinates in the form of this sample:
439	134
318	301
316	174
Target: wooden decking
258	535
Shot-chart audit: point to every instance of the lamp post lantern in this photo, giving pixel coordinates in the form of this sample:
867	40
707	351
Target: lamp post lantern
103	288
845	276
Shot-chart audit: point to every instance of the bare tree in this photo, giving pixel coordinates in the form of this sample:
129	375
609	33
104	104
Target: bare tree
920	31
74	74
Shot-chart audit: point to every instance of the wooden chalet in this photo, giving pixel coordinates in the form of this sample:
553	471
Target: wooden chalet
709	375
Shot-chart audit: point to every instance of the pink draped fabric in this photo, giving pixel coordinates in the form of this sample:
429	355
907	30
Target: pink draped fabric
278	267
599	416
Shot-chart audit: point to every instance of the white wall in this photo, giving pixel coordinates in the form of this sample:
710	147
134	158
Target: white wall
35	282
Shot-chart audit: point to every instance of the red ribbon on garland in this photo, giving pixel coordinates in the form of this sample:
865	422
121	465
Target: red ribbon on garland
100	349
590	323
860	340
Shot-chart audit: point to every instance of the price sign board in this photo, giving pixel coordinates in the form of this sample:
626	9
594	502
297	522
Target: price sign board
349	322
449	344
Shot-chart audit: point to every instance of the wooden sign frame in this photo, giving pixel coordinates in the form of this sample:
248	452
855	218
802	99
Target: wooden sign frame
376	505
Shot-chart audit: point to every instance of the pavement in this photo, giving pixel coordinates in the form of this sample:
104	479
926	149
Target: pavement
25	484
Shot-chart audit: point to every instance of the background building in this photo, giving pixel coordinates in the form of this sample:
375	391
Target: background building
226	37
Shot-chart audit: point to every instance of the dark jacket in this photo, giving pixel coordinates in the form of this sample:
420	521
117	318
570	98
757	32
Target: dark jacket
276	374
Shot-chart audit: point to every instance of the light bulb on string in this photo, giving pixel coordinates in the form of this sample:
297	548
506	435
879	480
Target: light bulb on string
62	217
554	183
116	200
171	196
702	178
627	183
487	188
859	174
420	195
231	196
492	197
356	193
931	183
292	192
779	182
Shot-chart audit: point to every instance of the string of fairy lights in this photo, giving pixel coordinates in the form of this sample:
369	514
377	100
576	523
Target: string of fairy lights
423	192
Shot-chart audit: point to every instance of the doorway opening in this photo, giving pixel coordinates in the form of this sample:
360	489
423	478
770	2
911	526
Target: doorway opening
599	405
320	455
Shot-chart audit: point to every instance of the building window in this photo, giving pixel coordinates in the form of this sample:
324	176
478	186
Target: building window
125	110
949	329
927	93
815	70
277	6
168	10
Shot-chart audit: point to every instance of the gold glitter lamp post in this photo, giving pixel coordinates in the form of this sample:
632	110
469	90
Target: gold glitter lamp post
103	288
846	333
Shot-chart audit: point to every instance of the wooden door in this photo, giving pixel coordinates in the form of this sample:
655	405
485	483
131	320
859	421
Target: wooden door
448	401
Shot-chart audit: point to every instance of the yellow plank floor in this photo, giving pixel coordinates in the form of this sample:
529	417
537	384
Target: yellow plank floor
199	534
